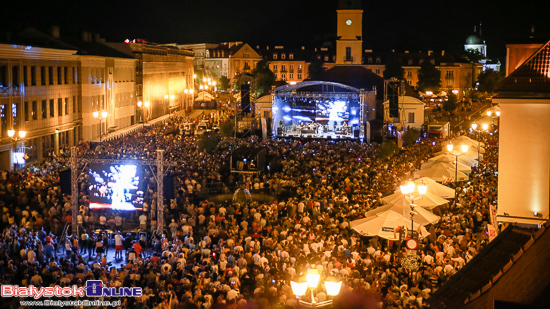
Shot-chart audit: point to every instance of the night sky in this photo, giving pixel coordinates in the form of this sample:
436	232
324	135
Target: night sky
388	24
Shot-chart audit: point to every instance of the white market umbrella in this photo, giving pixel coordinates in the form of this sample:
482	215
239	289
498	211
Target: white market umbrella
402	206
467	158
445	161
385	224
465	139
441	173
428	200
436	188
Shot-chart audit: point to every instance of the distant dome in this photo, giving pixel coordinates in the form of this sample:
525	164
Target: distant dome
474	39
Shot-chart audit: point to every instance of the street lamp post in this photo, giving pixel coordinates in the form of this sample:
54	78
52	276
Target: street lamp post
464	149
15	138
407	190
311	281
474	127
100	117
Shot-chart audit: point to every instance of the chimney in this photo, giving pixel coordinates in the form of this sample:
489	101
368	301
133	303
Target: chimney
430	52
55	31
443	53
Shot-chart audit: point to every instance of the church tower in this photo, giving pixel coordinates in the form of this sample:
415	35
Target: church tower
349	44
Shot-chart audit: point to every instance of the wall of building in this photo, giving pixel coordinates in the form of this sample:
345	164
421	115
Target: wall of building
40	94
524	160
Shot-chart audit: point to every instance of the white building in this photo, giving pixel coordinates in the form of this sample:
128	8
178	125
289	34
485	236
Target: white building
411	112
524	159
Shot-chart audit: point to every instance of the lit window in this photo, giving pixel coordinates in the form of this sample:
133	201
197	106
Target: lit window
274	56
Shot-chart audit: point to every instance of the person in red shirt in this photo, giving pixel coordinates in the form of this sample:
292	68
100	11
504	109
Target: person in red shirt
137	247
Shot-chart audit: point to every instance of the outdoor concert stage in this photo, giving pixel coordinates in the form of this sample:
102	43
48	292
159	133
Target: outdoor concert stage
320	110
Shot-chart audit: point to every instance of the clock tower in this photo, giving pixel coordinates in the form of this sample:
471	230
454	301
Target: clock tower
349	44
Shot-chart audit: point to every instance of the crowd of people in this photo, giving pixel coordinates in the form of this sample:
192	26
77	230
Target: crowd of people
242	253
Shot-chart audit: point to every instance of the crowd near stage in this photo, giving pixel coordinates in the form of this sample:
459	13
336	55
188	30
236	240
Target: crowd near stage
316	109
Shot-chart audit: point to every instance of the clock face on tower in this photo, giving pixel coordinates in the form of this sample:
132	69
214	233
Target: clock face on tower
348	22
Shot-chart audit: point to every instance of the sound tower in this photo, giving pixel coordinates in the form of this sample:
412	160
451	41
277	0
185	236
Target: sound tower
245	97
169	187
65	181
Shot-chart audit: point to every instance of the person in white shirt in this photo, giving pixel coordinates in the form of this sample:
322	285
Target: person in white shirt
118	245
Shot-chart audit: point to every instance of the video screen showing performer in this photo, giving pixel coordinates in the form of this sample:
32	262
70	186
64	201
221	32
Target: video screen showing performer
334	115
116	187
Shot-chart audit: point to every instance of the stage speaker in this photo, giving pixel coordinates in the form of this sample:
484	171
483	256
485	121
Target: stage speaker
169	187
356	133
245	97
65	181
279	131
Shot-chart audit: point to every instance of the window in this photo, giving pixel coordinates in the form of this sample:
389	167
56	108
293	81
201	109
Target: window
449	82
291	76
326	58
59	76
377	71
348	54
449	74
52	108
291	66
274	56
432	61
409	73
25	76
378	60
15	115
410	62
299	76
33	76
4	76
291	56
44	109
275	75
275	67
246	55
410	82
26	111
370	60
411	117
283	68
50	75
15	76
66	106
34	110
66	74
283	56
59	107
42	76
74	104
283	76
75	75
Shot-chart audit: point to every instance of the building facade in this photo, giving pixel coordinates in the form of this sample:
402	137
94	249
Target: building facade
40	94
287	64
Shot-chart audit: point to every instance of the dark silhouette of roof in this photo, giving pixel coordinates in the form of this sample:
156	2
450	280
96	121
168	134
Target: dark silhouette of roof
355	76
532	78
349	5
511	268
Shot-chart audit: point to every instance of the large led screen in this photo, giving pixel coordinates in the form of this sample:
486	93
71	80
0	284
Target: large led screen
118	187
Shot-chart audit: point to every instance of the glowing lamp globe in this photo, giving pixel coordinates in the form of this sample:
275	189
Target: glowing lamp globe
298	288
450	147
313	278
422	189
464	148
11	133
333	288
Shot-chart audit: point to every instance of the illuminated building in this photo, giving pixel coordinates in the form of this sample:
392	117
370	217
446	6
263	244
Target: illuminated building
524	144
287	64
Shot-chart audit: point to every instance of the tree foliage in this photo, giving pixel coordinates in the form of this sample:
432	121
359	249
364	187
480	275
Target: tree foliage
316	68
451	103
411	136
208	141
489	80
224	83
429	77
227	128
393	68
263	78
387	149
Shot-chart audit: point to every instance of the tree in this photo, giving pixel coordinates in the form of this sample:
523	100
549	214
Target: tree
224	83
316	68
393	68
208	142
429	77
227	128
451	103
263	79
489	80
387	149
411	136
